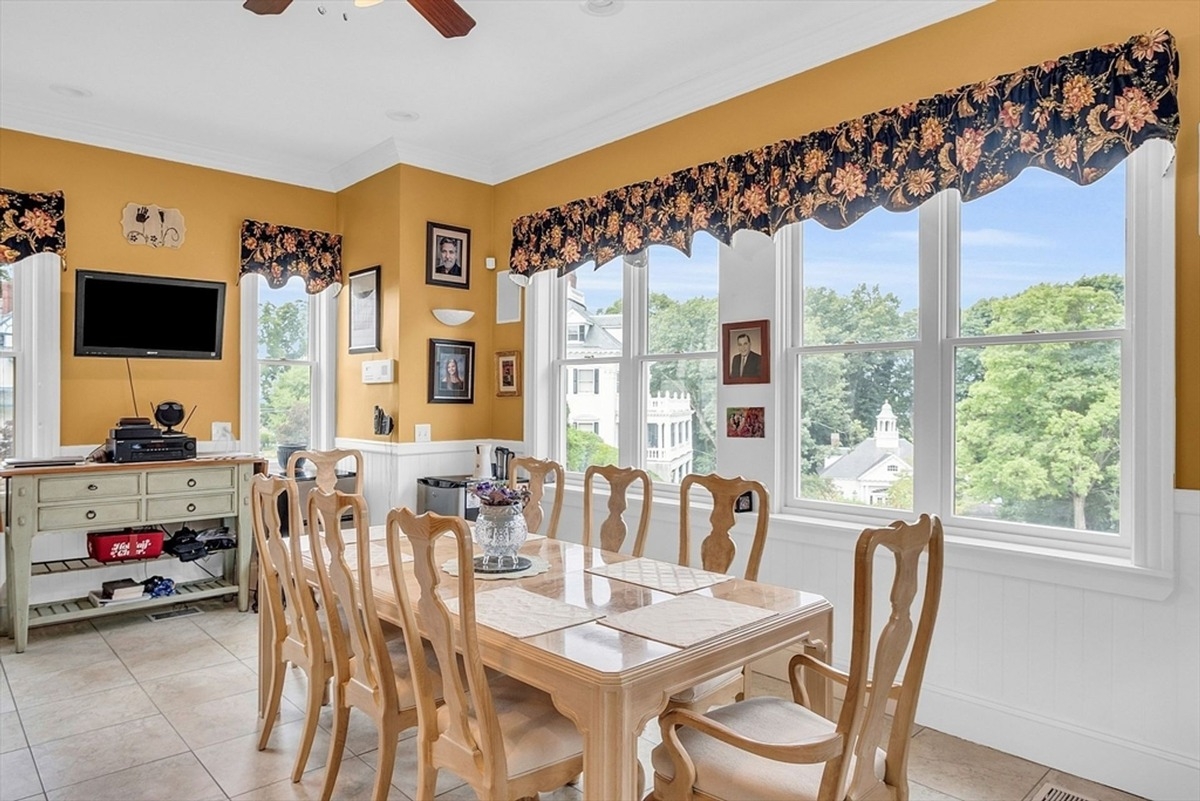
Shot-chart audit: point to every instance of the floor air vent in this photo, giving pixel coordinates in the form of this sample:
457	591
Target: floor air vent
1052	792
186	611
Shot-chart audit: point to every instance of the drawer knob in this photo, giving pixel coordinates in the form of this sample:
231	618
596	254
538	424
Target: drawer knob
91	514
191	482
191	507
92	488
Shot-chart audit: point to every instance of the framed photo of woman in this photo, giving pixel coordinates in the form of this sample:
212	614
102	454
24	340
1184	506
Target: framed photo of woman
451	371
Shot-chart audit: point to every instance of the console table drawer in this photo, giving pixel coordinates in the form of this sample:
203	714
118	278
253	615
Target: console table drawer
51	518
84	488
188	480
191	506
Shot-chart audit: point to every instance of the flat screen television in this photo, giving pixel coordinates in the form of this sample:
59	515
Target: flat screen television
117	314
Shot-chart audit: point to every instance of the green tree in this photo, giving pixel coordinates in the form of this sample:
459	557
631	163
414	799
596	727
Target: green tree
688	326
285	391
1038	425
586	448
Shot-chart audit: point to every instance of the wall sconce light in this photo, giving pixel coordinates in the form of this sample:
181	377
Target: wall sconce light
453	316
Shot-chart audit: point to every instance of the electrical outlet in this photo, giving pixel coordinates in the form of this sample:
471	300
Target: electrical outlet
422	432
222	432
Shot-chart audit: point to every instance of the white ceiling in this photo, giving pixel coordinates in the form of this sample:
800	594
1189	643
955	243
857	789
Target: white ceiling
302	97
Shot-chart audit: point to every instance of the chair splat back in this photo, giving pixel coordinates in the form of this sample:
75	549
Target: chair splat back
613	530
538	470
326	463
717	550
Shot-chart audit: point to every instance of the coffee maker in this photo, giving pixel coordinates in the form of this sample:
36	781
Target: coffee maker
500	463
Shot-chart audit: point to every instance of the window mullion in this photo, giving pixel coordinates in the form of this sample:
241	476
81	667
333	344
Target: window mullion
937	255
634	373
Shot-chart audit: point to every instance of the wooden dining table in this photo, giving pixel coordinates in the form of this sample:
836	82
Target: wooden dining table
608	681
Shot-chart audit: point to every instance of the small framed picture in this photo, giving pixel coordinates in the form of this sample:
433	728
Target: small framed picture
746	352
364	310
448	255
508	373
746	421
451	371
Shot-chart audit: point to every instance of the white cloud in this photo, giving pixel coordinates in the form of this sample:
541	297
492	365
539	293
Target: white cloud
998	237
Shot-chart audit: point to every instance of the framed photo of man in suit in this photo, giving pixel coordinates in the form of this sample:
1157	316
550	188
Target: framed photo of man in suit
448	255
746	352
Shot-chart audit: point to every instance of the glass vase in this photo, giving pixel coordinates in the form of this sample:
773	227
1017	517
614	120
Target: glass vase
500	531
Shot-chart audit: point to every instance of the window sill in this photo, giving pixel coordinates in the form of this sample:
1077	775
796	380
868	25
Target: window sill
1049	565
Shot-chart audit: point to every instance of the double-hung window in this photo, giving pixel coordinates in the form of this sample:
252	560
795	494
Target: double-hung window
30	357
287	364
635	363
1003	362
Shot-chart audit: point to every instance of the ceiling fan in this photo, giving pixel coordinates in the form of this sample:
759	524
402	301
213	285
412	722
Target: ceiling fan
445	15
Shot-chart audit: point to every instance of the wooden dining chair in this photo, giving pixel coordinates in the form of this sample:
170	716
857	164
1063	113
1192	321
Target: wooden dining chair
717	552
613	530
370	670
775	749
296	633
503	737
538	469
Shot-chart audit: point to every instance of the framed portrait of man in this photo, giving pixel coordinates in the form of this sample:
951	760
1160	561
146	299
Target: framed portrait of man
451	371
448	255
746	357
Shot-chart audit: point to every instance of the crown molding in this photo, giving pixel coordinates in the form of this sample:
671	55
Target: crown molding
391	152
22	118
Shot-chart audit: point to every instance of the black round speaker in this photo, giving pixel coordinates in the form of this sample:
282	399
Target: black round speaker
169	413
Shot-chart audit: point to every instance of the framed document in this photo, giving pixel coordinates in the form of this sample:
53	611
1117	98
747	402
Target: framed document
364	310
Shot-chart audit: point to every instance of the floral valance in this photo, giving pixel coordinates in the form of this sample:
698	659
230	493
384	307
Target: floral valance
278	253
1078	116
32	222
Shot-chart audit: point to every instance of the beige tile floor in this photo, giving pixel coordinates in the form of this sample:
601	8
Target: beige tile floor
123	708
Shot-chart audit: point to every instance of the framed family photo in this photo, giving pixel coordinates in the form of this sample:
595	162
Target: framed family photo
364	310
745	352
508	373
447	256
451	371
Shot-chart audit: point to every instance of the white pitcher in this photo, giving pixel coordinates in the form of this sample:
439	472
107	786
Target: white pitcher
483	462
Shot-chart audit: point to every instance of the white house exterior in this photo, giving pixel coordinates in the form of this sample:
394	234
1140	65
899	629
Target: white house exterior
866	472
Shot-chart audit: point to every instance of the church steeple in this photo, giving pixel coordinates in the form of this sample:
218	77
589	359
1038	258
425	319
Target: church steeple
887	435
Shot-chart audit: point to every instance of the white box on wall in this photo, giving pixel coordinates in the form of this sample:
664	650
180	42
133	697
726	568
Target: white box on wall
378	371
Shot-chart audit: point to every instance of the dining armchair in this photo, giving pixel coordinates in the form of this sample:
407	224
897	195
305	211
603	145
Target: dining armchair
503	737
613	530
717	552
782	749
370	670
296	633
538	470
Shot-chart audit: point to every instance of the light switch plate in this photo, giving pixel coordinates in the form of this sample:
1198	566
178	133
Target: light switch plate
422	432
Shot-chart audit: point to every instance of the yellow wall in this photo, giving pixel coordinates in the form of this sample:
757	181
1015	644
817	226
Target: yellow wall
998	38
98	183
384	221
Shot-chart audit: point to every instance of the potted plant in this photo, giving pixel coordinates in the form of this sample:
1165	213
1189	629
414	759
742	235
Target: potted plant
500	529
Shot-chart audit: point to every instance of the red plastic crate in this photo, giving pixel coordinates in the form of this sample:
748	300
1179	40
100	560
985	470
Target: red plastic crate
120	546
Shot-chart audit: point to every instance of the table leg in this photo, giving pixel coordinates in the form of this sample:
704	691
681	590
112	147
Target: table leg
610	747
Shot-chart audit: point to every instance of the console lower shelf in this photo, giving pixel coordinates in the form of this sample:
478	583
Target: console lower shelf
81	608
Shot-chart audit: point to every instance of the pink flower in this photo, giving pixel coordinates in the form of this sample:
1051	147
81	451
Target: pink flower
1146	45
1077	93
850	181
38	222
968	148
1010	114
1134	109
1029	142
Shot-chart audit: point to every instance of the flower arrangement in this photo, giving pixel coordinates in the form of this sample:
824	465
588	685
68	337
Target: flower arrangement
491	493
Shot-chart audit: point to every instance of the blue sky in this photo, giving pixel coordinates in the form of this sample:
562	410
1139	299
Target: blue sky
1039	228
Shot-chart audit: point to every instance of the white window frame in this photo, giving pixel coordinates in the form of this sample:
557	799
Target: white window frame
1148	381
322	333
37	329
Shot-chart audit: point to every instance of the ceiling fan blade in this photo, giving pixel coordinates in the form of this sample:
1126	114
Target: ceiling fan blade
266	6
445	15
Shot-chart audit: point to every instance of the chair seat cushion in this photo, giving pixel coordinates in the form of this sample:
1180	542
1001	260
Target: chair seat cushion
535	733
706	688
724	771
